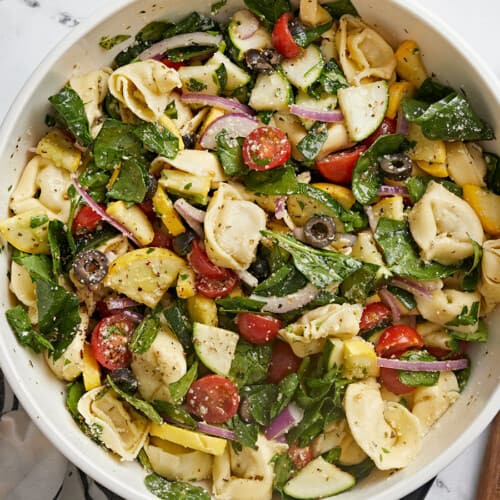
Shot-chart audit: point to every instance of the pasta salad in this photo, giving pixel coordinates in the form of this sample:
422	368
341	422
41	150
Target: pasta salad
257	251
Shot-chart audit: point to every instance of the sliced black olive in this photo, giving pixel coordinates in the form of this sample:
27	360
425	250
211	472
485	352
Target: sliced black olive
262	60
244	410
189	140
297	30
319	231
182	243
397	166
151	187
125	379
90	267
259	268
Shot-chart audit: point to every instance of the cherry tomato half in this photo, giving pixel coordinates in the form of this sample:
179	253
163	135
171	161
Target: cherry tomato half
216	288
388	126
300	456
172	64
257	328
265	148
109	341
86	221
282	37
148	209
338	167
213	398
398	339
161	240
283	362
374	314
201	263
390	380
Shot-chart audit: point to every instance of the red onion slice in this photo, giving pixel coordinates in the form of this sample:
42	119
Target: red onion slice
348	237
320	116
288	302
287	419
389	300
134	316
386	190
248	25
371	217
193	216
236	125
99	210
248	278
411	286
184	40
213	430
218	102
402	125
423	366
119	303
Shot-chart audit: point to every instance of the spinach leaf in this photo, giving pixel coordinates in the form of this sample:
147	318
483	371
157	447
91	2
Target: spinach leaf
75	390
417	186
239	304
493	172
467	316
39	266
171	110
144	334
93	240
190	52
217	6
59	246
19	321
332	455
107	43
265	116
250	363
361	470
330	81
230	154
178	321
131	185
360	284
406	298
367	177
191	23
221	77
472	275
278	181
396	242
174	490
305	37
157	139
179	389
95	180
247	434
285	392
260	399
268	12
38	220
417	379
73	207
312	143
282	470
449	119
432	91
140	405
175	414
71	112
284	281
463	376
58	316
480	335
340	7
320	267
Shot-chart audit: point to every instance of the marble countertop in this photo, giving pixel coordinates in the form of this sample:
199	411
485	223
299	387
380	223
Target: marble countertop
29	29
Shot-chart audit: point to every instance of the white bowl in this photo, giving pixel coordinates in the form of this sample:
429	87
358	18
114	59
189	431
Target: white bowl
42	395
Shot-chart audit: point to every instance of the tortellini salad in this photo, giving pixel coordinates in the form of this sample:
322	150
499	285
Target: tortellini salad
257	251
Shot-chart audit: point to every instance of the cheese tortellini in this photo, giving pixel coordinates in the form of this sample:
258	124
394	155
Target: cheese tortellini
489	285
92	89
162	364
386	431
466	164
246	475
307	335
144	87
232	229
114	422
363	53
443	226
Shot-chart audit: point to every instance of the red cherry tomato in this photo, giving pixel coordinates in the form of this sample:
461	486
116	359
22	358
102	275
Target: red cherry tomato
338	167
390	379
374	315
213	398
109	341
172	64
282	37
86	221
441	353
265	148
215	288
161	240
201	263
388	126
257	328
283	362
300	456
398	339
148	209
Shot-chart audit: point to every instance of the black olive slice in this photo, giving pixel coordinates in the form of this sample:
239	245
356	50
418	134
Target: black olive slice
90	267
189	140
397	167
262	60
182	244
125	379
151	187
244	410
319	231
259	268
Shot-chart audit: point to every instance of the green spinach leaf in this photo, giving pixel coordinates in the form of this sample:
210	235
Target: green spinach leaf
304	38
174	490
285	392
480	335
329	82
284	281
260	399
312	143
472	275
230	154
493	172
180	324
417	379
406	298
157	139
278	181
174	413
332	455
239	304
190	52
59	246
417	186
360	284
361	470
19	321
179	389
282	470
340	7
95	180
131	184
39	266
144	334
107	43
432	91
268	12
467	316
250	363
247	434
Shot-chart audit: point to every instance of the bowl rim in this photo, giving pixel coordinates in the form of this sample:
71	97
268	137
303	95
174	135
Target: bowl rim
57	438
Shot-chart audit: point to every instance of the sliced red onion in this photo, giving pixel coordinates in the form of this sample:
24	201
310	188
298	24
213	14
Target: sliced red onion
280	207
218	102
371	217
99	210
350	238
184	40
289	302
119	303
213	430
287	419
193	216
134	316
248	24
423	366
248	278
402	125
412	286
320	116
389	300
235	124
386	190
298	233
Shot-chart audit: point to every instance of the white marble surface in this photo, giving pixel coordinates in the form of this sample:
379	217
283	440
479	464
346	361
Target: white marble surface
30	28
